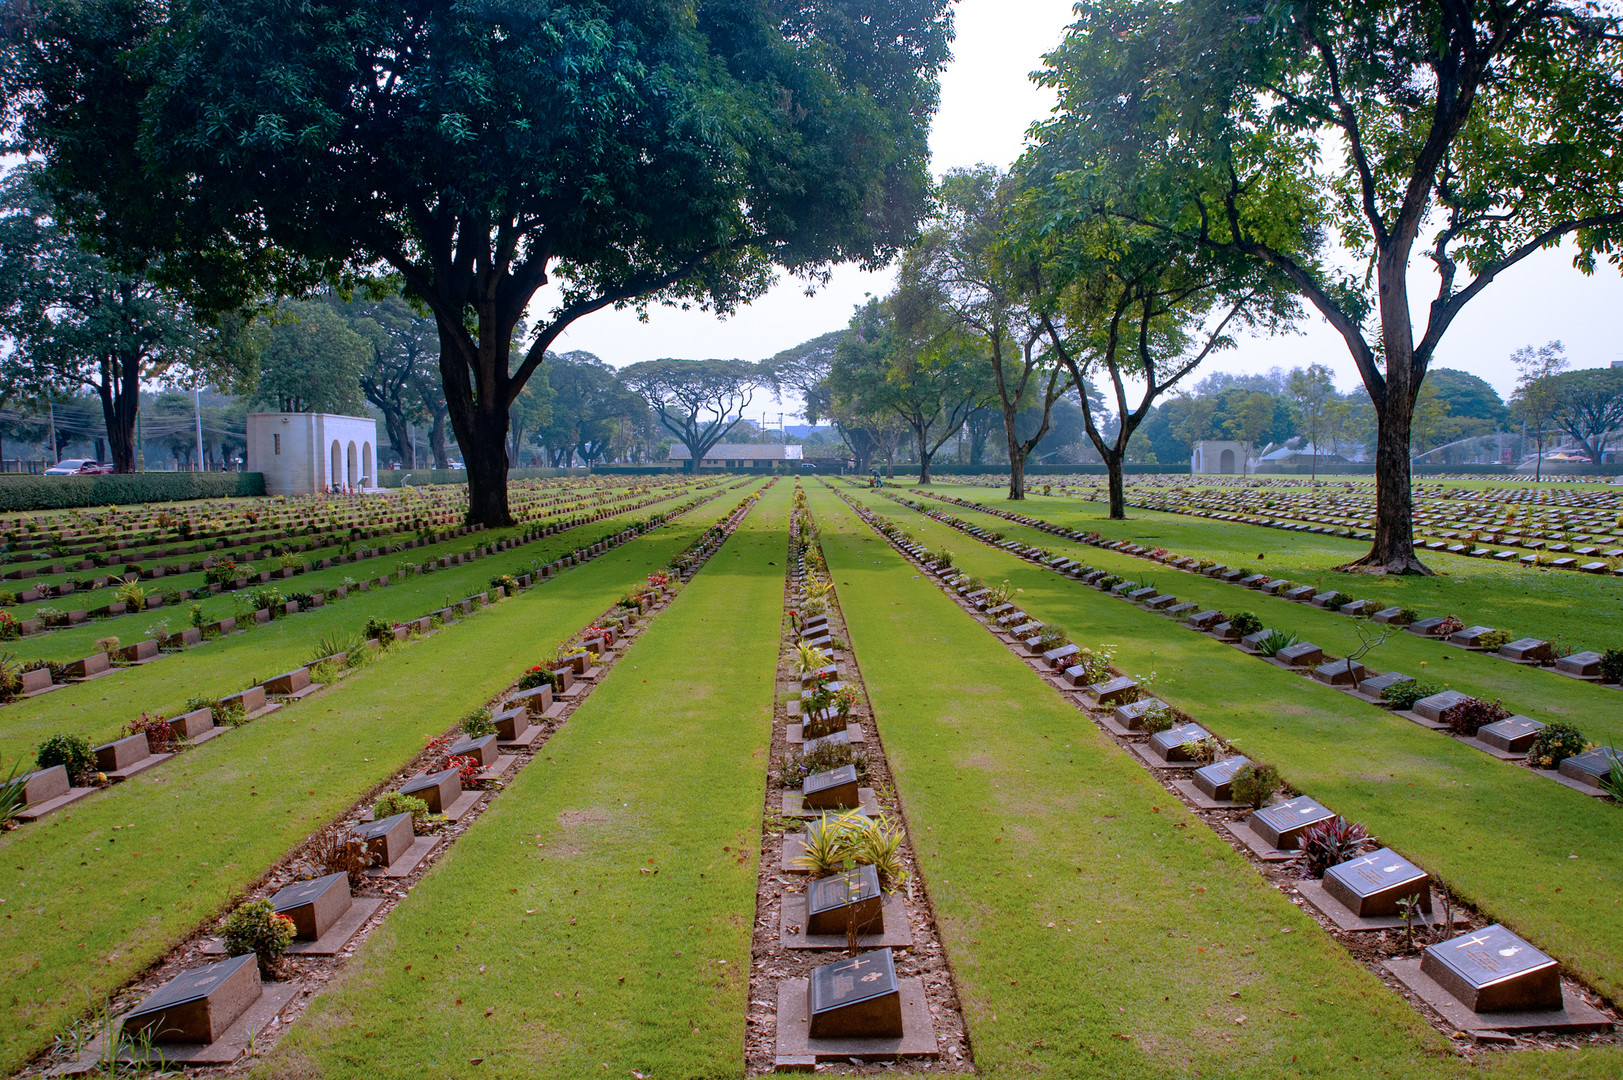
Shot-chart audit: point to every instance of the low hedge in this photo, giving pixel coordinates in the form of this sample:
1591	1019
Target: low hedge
23	493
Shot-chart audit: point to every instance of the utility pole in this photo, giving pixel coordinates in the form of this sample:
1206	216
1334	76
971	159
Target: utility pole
140	447
52	405
197	402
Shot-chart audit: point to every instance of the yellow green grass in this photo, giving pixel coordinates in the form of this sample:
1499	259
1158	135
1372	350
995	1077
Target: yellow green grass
597	920
1531	853
98	891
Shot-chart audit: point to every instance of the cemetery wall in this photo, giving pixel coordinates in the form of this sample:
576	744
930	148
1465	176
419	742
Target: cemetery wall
23	493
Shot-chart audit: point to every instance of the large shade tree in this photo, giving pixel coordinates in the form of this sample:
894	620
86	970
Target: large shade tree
589	408
1589	407
698	401
621	151
404	356
1466	133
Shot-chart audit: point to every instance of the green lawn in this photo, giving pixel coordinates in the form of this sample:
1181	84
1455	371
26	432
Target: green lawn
597	920
1544	695
1535	855
98	709
1574	610
86	907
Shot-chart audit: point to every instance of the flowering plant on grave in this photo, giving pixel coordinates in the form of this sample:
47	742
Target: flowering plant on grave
467	768
845	700
658	580
8	626
536	676
1451	624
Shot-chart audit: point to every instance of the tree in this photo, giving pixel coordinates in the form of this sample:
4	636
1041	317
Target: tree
698	401
803	369
1469	397
1313	391
405	346
963	266
310	360
1137	304
528	413
73	320
1589	407
588	404
1474	132
901	360
629	152
1251	420
1537	398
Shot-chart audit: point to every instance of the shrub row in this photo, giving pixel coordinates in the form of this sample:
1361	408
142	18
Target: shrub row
24	493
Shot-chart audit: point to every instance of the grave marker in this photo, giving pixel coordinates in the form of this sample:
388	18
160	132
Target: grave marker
315	905
1280	826
1216	780
1370	886
439	790
1493	970
1592	766
856	997
197	1006
835	789
836	904
1513	734
387	839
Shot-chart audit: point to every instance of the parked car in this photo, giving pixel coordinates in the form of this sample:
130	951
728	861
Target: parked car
77	467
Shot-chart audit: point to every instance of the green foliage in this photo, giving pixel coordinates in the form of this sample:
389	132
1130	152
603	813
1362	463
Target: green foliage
27	493
1156	720
1466	717
1553	744
1494	640
226	714
479	722
1403	695
12	790
1205	751
1245	622
379	629
72	752
254	927
1328	844
395	803
822	759
131	594
1052	636
1254	784
1274	641
837	841
1611	666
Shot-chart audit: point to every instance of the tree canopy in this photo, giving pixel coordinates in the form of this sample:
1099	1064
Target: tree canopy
698	401
627	151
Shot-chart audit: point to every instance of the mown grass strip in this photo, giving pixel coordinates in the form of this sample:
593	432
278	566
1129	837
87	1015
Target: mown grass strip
98	709
1529	852
1583	610
1096	927
597	921
1544	695
89	901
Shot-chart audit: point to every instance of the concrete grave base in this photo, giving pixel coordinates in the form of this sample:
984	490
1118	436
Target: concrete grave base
1143	753
531	733
413	858
139	767
576	689
333	941
464	804
223	1051
794	1019
43	690
898	932
794	737
1575	1016
264	710
1502	755
1109	722
1416	718
1200	800
300	694
40	809
1337	912
1569	782
504	765
1258	846
794	846
794	805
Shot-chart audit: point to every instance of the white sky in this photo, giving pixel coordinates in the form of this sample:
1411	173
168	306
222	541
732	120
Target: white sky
987	102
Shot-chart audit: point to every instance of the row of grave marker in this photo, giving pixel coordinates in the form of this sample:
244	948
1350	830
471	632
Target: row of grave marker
857	1007
1485	981
1508	739
1584	664
40	680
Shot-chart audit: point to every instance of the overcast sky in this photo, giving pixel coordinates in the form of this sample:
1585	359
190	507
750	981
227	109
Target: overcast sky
987	102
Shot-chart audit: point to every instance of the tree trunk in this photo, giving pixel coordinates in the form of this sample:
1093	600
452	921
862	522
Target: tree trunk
436	441
924	455
1118	489
120	390
1393	550
485	453
1017	474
